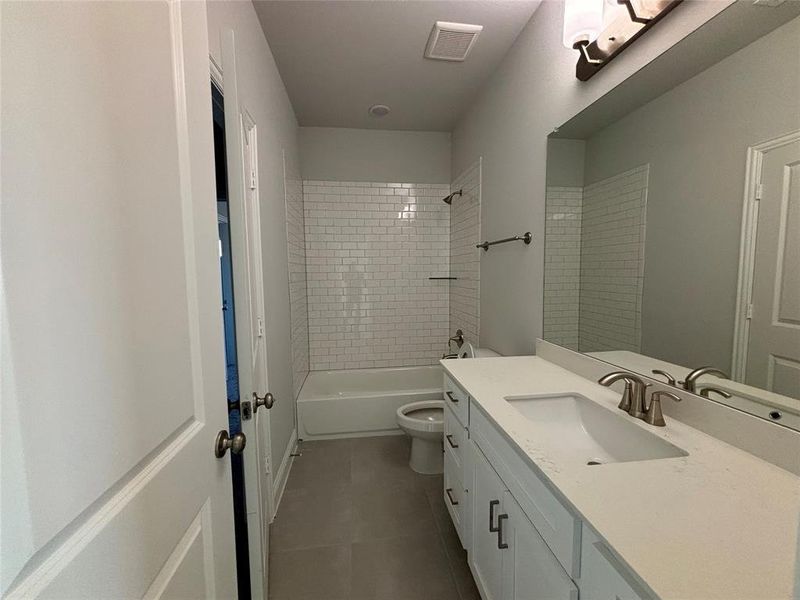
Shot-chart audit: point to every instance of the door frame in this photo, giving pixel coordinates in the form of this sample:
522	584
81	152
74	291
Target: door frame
259	480
747	248
257	462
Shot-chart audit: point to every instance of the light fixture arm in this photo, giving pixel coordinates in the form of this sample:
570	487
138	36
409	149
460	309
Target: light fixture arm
635	17
583	46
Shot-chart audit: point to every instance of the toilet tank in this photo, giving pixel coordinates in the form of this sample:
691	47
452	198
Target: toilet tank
471	351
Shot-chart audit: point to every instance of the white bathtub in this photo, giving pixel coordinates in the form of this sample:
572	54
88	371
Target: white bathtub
360	402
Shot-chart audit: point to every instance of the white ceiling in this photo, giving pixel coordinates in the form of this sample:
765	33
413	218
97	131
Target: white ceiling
339	57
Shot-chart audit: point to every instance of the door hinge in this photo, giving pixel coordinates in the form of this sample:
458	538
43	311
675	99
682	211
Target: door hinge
260	327
759	191
267	466
748	313
252	180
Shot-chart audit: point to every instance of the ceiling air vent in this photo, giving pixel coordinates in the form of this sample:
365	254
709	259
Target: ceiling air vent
451	41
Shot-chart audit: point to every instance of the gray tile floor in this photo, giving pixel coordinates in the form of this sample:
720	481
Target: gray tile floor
356	523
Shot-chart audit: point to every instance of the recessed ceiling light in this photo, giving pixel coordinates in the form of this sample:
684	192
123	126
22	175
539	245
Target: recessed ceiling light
379	110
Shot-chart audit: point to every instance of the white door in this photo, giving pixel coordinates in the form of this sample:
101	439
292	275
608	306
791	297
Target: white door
113	383
245	220
773	357
530	570
485	558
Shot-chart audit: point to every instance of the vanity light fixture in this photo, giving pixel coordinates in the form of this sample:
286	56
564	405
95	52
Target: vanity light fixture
601	29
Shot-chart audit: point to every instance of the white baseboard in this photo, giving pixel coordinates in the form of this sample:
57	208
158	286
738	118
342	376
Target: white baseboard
282	474
356	434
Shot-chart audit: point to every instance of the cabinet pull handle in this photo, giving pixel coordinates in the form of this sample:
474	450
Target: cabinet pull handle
500	543
492	504
449	439
449	492
452	398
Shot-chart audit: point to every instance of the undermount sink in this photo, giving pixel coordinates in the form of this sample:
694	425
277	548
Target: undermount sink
584	431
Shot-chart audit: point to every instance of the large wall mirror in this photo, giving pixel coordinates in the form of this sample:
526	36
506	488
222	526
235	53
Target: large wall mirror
673	217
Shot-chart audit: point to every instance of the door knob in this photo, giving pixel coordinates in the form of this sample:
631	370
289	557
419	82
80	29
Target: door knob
267	401
224	441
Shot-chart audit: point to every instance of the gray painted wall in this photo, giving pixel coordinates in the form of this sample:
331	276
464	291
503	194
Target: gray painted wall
338	154
565	162
695	138
262	93
534	90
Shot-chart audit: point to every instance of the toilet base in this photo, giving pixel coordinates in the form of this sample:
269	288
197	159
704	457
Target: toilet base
427	456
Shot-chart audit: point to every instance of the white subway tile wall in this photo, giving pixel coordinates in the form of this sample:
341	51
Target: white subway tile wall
465	260
370	248
562	265
612	261
298	290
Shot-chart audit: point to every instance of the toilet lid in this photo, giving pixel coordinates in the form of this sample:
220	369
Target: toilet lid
426	414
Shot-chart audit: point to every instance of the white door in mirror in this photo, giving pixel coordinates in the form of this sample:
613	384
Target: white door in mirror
773	354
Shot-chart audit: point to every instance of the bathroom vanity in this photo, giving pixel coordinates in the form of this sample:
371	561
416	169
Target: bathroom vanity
557	494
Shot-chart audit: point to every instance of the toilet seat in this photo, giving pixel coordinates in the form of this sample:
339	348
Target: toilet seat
422	416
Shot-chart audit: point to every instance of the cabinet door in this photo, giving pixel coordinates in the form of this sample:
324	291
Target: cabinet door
485	558
530	570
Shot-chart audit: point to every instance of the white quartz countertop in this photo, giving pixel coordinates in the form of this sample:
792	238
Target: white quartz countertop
718	523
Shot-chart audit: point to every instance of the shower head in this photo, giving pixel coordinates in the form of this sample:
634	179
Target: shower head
449	199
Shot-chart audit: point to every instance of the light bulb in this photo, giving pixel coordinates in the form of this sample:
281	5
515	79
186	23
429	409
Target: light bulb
583	21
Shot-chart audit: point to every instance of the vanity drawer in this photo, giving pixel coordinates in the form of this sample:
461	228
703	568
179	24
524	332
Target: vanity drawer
602	575
454	494
559	528
455	438
456	399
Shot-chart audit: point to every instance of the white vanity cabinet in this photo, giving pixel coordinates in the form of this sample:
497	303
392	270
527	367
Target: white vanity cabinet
508	557
522	541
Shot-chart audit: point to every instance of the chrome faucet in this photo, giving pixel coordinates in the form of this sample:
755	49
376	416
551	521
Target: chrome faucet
449	356
633	398
690	384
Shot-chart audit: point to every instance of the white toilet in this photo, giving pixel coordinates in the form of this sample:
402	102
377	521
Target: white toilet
424	422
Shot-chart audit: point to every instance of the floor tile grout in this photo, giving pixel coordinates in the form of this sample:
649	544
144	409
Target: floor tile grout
443	544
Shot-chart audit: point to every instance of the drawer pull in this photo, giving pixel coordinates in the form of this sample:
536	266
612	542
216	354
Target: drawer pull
492	504
452	398
449	492
449	438
500	543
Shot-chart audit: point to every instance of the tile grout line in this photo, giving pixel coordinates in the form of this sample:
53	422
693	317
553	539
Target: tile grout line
443	545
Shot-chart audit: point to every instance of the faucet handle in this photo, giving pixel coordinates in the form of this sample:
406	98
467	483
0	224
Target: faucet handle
670	379
705	391
653	415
